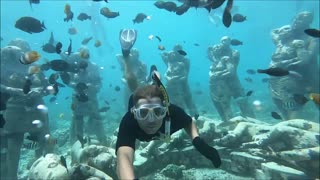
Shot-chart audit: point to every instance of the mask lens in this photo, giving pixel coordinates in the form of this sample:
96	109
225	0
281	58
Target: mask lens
159	111
143	112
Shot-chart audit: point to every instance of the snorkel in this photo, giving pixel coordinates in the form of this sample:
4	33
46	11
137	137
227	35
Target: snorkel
167	136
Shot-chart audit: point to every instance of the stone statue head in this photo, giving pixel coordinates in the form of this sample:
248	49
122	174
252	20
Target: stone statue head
302	20
225	41
22	44
177	47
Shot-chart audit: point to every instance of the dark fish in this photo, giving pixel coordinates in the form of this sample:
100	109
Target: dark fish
265	80
236	42
117	88
30	25
108	13
69	47
169	6
51	40
65	77
80	87
69	17
263	131
52	99
34	2
86	40
45	67
248	79
216	4
274	71
249	93
82	97
100	0
66	98
27	86
275	115
182	52
83	16
226	17
53	78
104	109
158	38
313	32
182	9
58	47
139	18
55	89
251	71
49	48
300	99
63	162
2	121
59	65
107	103
196	44
239	18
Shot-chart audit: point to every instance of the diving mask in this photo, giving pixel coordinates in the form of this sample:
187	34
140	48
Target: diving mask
147	111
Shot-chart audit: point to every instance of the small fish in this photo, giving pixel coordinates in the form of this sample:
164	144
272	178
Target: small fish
34	2
140	17
100	0
226	17
68	12
117	88
160	47
249	93
97	43
251	71
300	99
69	48
315	98
104	109
275	115
29	57
248	79
34	70
55	89
198	92
72	31
239	18
66	98
53	78
264	131
65	77
274	71
83	16
53	99
86	40
58	47
106	102
313	32
108	13
61	116
236	42
158	38
63	162
49	48
30	25
182	52
169	6
59	65
196	44
27	86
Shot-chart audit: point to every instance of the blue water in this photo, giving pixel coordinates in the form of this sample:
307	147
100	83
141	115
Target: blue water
192	27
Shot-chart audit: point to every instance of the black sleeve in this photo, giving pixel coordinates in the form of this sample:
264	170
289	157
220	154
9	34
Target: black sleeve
130	103
180	119
126	135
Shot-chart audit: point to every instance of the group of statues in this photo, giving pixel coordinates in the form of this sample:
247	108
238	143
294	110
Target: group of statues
294	51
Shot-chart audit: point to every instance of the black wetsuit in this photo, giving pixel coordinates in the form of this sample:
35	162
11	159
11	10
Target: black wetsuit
129	129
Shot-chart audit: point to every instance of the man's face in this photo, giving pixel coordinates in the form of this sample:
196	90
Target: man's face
149	114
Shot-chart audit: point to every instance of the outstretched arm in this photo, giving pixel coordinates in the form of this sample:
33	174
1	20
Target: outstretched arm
125	156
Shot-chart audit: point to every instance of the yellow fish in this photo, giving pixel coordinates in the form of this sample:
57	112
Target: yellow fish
97	43
315	98
67	9
29	57
61	116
